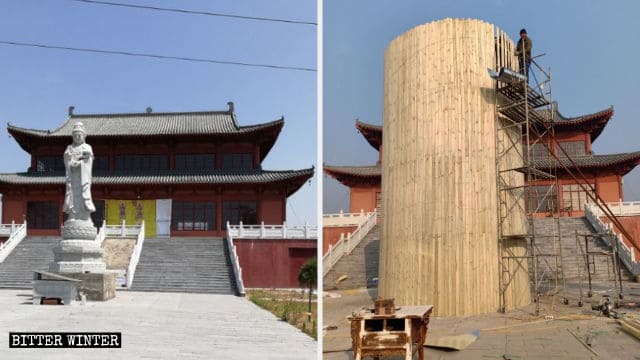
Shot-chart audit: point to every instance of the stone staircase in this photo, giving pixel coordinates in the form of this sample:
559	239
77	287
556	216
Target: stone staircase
573	264
34	253
190	265
360	267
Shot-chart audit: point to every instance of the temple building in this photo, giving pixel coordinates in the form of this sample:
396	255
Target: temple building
363	181
576	136
603	172
183	173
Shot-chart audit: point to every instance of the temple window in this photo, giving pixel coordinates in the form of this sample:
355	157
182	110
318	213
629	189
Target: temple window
542	198
101	163
49	163
43	215
142	162
195	162
193	216
539	150
574	197
573	148
237	161
236	211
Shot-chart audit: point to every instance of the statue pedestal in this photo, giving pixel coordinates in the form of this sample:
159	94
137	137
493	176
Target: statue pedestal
78	252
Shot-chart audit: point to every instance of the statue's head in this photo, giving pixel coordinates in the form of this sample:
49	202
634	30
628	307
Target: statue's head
78	133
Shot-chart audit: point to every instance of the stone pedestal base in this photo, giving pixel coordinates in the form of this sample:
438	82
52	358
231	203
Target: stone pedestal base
77	256
97	287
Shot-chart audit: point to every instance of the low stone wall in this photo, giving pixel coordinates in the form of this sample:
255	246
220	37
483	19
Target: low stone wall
117	253
97	287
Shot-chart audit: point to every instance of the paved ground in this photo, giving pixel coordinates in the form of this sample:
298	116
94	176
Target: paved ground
157	326
519	334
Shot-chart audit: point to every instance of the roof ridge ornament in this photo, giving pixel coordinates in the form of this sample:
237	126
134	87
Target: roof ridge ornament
70	110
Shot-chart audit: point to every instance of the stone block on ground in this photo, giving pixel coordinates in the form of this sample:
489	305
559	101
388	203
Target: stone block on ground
97	287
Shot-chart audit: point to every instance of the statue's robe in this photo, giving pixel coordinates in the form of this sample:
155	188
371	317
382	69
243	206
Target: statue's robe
78	162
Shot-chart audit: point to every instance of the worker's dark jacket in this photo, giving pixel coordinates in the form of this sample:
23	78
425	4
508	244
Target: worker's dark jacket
527	47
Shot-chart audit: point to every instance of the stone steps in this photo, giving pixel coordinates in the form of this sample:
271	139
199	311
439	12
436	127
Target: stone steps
191	265
34	253
573	263
361	266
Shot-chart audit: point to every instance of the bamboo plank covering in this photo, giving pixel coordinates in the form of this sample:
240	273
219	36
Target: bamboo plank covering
440	237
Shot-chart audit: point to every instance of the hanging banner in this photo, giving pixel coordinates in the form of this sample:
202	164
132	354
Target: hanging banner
133	212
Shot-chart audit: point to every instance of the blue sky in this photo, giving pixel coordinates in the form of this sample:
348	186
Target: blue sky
38	85
590	46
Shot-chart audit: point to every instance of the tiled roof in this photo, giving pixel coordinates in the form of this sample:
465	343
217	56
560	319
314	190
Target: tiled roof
364	125
365	171
149	124
167	177
593	161
202	123
355	175
596	121
373	133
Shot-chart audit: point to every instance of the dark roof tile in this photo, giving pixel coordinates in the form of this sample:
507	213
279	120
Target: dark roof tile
164	177
187	123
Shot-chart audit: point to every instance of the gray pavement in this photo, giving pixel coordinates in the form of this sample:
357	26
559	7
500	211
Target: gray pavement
517	334
157	326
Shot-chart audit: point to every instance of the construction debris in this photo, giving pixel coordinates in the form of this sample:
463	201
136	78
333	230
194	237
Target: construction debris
631	326
583	343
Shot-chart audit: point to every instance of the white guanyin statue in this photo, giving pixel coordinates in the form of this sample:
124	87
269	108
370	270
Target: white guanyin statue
78	161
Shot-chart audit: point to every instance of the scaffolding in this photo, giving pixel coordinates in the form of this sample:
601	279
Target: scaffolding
524	116
586	257
524	119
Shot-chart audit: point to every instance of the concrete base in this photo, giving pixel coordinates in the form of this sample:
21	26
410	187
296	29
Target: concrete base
77	256
97	287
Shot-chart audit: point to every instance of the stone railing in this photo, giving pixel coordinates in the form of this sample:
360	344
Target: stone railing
344	219
346	244
627	254
122	230
622	208
263	231
135	256
16	234
235	262
101	233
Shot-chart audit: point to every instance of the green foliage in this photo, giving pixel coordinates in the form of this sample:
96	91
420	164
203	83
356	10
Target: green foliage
308	274
287	306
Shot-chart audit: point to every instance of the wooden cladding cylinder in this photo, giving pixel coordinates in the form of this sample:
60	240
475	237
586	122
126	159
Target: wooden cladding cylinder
440	233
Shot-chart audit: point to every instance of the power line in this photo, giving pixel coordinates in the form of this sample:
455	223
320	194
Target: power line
157	56
193	12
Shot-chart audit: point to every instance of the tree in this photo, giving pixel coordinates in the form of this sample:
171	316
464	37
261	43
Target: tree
308	275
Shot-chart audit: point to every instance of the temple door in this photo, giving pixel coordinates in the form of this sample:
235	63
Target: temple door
163	217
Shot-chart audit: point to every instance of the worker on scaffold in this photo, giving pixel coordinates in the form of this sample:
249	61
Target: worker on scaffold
523	52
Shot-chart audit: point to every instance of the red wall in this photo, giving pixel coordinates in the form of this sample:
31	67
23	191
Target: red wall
273	263
363	198
14	208
331	235
632	225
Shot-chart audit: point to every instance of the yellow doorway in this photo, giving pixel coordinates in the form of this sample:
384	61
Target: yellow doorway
132	212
